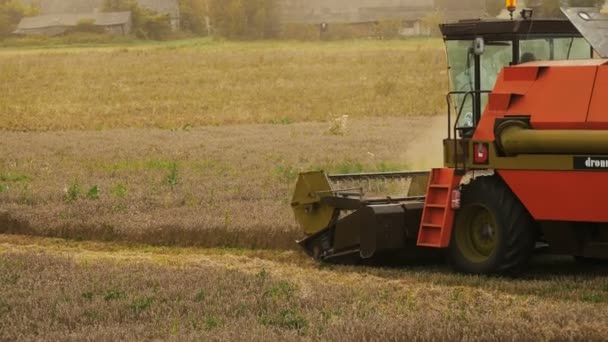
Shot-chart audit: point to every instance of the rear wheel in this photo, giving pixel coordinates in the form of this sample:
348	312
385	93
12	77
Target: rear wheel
591	261
493	233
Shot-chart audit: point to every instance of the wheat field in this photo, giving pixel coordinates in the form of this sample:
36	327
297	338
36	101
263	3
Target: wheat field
145	195
201	82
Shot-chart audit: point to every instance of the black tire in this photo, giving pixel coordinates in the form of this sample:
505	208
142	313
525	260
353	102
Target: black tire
493	233
591	261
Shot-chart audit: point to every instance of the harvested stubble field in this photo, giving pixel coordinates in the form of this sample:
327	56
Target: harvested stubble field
59	290
214	186
129	147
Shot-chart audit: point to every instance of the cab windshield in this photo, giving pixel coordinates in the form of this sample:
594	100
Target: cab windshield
495	56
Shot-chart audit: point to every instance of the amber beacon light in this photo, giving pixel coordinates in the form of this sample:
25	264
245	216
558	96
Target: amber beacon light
511	6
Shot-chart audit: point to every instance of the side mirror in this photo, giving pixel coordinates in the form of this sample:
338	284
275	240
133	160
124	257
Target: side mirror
479	46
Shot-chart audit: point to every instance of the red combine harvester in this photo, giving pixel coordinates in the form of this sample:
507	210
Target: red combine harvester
526	158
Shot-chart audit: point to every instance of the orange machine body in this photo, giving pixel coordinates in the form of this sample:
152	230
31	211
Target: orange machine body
555	95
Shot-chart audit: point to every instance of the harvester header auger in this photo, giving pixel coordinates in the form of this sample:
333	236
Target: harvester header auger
525	158
346	218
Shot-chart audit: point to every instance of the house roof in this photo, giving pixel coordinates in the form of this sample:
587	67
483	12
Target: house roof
112	18
71	19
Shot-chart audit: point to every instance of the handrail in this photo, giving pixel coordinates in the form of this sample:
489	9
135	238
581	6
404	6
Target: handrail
455	129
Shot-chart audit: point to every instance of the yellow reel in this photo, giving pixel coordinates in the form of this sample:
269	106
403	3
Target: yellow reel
310	212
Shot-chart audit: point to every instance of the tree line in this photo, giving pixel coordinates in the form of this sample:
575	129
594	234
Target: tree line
234	19
240	19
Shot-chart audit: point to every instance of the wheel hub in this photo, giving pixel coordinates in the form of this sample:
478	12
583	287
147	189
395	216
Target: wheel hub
476	233
487	232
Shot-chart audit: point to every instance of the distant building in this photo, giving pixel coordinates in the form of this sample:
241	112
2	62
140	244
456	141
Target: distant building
118	23
169	7
356	12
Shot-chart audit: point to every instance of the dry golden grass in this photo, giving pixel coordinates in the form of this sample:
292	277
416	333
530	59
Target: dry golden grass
58	290
214	186
201	82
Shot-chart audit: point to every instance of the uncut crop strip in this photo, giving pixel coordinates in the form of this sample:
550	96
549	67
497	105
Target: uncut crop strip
189	85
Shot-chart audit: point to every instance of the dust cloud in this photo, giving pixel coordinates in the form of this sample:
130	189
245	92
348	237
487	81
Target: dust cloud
425	151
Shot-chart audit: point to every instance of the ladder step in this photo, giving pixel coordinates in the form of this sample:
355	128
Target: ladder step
436	206
432	225
428	244
439	186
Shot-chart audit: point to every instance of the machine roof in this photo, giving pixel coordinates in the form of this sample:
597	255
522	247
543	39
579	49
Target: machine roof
507	29
588	22
593	25
570	62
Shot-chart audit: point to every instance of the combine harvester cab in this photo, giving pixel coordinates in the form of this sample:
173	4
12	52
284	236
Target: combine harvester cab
525	158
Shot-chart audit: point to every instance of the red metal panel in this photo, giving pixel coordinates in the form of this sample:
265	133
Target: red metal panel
512	83
556	97
499	101
598	111
516	80
559	98
561	195
485	128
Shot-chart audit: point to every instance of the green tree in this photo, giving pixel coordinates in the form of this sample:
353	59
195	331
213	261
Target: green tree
156	26
146	23
193	16
11	12
245	19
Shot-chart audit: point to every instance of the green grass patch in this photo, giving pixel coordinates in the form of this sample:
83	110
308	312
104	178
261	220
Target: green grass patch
114	294
172	176
593	297
139	305
348	166
286	173
87	295
93	193
211	322
391	167
13	177
135	165
200	296
119	190
286	319
72	192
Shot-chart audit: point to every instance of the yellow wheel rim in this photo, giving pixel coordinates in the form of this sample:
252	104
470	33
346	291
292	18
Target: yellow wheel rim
476	233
